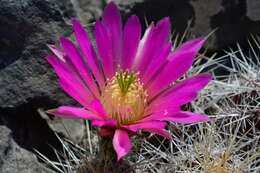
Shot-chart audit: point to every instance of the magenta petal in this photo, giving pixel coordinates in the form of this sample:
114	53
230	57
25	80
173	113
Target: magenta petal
73	112
151	44
131	37
97	107
179	62
77	61
192	84
74	92
157	112
121	143
145	125
141	47
104	47
87	50
70	80
60	54
171	104
182	93
160	132
113	23
191	45
102	123
186	118
157	63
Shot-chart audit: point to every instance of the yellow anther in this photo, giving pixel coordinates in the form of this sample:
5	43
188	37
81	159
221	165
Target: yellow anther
124	97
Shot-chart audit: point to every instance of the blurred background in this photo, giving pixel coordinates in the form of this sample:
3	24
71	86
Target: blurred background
28	85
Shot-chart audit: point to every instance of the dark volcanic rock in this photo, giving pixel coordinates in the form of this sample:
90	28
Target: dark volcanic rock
88	10
26	27
28	129
13	158
233	24
27	82
253	11
180	12
234	20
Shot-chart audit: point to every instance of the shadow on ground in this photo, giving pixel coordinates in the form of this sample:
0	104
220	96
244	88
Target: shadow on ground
180	12
29	130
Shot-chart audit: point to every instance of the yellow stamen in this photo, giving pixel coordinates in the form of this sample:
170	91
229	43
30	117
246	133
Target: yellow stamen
124	98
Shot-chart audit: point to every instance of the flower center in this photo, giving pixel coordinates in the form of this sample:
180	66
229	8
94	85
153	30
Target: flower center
124	98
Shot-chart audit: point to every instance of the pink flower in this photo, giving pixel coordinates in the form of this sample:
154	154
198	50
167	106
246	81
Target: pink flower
128	83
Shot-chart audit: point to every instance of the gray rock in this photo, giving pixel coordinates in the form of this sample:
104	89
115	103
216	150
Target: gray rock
233	25
26	27
88	10
253	9
28	130
13	158
234	20
27	82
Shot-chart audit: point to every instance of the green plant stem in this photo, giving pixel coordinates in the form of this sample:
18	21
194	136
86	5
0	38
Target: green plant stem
106	152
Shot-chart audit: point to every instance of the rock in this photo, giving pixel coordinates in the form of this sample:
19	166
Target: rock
253	11
28	131
25	76
32	132
88	10
27	82
179	11
233	26
13	158
72	129
202	19
26	27
234	20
